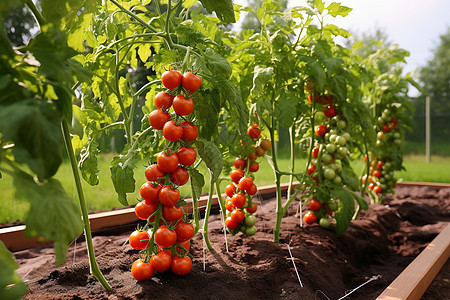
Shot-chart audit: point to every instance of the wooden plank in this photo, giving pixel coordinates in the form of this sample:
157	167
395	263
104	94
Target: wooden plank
437	185
412	283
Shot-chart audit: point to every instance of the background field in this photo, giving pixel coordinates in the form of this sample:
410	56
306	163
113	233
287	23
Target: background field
103	196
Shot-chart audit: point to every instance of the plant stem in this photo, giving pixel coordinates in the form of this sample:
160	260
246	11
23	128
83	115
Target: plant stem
221	200
131	14
292	166
87	227
208	211
195	209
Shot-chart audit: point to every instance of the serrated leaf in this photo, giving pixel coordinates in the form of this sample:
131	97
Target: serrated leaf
348	175
212	157
122	174
88	161
144	52
346	209
34	127
11	287
197	183
336	9
223	8
217	64
260	78
286	110
53	214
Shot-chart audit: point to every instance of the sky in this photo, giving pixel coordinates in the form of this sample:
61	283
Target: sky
415	25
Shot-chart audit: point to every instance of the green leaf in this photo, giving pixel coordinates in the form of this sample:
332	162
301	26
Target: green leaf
223	8
11	287
346	209
260	78
56	11
348	175
286	110
88	161
212	157
197	182
336	9
34	127
217	64
122	174
53	214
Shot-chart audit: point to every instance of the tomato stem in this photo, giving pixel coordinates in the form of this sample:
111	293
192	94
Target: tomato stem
208	211
87	228
292	162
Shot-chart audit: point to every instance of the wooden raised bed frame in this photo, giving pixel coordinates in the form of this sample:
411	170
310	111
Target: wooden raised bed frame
410	284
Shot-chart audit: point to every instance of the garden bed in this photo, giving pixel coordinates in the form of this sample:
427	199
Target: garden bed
383	241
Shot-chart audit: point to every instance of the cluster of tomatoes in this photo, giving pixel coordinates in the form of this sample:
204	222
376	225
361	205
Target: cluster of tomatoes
239	205
381	177
326	167
164	241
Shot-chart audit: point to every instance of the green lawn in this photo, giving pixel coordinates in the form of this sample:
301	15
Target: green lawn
103	196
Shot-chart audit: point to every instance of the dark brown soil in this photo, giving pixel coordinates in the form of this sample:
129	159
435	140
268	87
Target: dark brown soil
383	241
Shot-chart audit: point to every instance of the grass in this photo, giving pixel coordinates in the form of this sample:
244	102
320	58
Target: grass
103	196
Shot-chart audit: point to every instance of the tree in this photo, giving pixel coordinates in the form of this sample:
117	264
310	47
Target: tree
435	80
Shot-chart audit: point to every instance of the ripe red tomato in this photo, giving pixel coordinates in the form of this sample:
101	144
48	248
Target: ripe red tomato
326	100
238	200
252	190
163	101
149	192
237	216
252	156
139	240
377	189
190	131
371	186
180	176
230	224
152	173
252	209
380	134
230	190
315	152
314	205
253	167
162	261
158	118
191	82
310	97
236	175
144	210
181	265
185	231
172	214
309	86
321	130
183	106
330	111
245	183
229	205
171	79
165	237
240	163
254	132
168	196
141	270
386	128
380	164
311	169
185	244
172	132
186	156
376	173
310	218
167	161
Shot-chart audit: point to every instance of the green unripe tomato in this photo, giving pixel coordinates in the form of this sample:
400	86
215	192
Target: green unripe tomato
327	158
333	137
327	136
397	135
337	179
379	143
329	174
250	230
347	136
333	205
342	151
330	148
338	168
341	124
324	222
341	141
250	220
333	131
398	141
243	228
